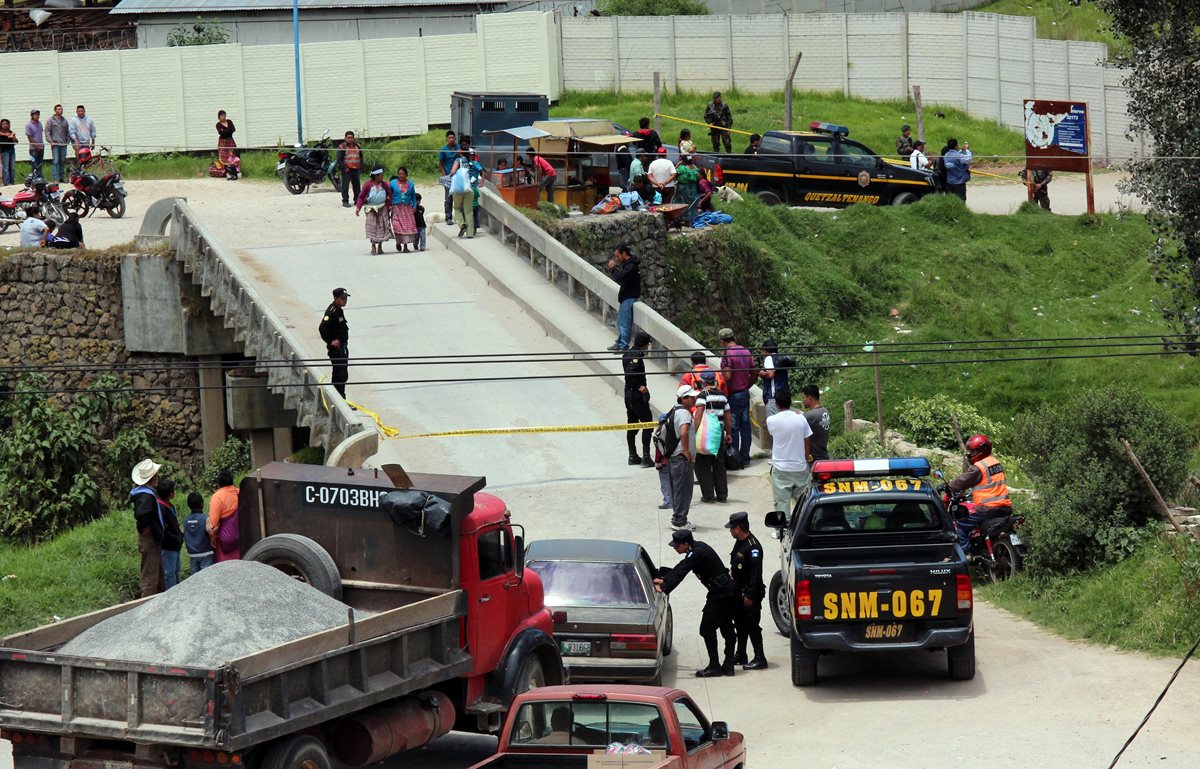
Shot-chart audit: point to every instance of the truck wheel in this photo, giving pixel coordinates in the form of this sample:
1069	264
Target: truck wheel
300	751
669	636
300	558
769	198
904	199
532	676
781	608
961	660
804	665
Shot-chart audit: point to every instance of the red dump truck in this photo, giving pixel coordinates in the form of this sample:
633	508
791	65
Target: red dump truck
572	727
458	630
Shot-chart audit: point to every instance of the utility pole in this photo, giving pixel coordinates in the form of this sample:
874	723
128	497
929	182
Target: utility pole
787	93
296	47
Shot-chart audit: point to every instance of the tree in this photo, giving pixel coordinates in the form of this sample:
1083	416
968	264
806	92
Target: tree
1164	106
653	7
201	33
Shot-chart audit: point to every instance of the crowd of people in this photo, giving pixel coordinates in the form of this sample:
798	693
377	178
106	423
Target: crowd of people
208	536
58	133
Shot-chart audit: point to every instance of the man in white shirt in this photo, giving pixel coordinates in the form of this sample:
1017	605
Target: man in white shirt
791	442
918	159
33	231
662	175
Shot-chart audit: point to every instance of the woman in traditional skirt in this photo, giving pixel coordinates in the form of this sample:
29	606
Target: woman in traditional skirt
374	197
226	146
404	206
687	188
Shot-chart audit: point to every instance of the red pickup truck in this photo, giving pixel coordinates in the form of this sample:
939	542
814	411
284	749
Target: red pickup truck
563	726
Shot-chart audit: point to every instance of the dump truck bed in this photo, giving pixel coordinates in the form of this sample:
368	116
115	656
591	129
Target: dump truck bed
244	702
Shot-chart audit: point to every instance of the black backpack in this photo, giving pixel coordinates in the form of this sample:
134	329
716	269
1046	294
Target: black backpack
664	436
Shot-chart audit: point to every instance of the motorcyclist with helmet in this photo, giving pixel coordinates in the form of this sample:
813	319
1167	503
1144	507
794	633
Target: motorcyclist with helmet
989	488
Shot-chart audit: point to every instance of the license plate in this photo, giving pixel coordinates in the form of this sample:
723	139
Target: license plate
883	631
1015	539
577	648
281	166
117	764
884	605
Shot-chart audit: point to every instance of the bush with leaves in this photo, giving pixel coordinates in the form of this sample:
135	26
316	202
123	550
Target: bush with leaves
652	8
233	454
200	33
926	422
1093	504
782	320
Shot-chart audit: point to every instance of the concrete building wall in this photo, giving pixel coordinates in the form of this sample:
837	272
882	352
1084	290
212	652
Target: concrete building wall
161	99
984	63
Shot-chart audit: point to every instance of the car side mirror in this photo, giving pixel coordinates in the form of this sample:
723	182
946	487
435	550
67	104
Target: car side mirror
720	731
776	519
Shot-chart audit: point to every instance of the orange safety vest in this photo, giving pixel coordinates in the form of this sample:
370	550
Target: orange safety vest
992	490
353	158
692	378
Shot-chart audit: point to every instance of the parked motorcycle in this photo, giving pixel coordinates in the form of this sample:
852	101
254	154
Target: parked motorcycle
92	192
38	194
996	550
302	167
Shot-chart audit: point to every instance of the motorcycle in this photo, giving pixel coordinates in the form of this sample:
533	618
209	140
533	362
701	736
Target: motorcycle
996	550
38	194
304	166
90	192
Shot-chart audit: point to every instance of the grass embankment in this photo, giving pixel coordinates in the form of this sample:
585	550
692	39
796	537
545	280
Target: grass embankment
877	124
1146	603
952	274
1063	20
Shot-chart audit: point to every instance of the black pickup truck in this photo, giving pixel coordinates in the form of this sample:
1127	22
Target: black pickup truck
870	563
822	167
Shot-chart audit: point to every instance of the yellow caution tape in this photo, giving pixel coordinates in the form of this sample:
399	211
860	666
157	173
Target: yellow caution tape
387	431
519	430
706	125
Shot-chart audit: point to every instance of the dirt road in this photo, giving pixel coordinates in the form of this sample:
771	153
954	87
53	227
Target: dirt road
1037	700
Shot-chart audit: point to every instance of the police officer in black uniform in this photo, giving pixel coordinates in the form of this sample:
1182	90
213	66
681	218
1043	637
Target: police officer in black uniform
336	335
745	566
637	398
703	561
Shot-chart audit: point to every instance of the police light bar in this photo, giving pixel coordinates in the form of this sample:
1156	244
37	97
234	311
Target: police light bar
826	469
828	128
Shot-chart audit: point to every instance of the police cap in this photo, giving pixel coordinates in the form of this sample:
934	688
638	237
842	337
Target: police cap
741	520
338	293
679	536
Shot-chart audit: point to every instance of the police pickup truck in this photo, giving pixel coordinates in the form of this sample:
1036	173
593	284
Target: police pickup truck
822	167
870	563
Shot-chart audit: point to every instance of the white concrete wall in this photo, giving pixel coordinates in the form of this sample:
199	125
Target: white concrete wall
984	63
161	99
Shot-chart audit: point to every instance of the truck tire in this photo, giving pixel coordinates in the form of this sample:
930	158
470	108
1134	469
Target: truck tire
669	636
961	660
300	558
904	199
531	676
804	665
299	751
781	608
769	198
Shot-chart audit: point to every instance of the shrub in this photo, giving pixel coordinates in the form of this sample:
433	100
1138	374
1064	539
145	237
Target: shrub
653	8
926	422
860	444
786	323
233	454
1093	503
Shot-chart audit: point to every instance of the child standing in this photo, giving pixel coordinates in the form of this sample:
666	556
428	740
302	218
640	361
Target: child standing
172	539
195	535
419	215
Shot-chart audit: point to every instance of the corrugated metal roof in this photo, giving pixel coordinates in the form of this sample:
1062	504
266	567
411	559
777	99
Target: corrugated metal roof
221	6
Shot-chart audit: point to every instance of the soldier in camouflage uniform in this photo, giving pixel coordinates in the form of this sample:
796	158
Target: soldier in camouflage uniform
1037	181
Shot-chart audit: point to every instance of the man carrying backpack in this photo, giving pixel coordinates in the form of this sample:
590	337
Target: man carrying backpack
673	437
774	374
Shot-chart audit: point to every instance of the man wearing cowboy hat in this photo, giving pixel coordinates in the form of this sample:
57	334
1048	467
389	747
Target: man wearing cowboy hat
148	519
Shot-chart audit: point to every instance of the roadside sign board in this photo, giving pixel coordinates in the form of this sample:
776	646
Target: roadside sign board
1057	138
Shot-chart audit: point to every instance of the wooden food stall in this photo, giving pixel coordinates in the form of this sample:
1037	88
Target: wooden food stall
515	184
582	151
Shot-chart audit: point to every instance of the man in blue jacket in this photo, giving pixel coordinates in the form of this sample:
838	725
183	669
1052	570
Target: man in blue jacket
958	167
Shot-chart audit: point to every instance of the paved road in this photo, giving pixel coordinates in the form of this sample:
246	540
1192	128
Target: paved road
1037	699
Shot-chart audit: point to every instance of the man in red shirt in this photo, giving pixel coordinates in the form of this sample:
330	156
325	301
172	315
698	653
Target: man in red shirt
740	370
547	174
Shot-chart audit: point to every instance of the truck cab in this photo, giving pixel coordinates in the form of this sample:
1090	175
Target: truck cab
870	563
821	167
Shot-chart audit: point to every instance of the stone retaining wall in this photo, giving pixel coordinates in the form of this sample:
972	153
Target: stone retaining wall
66	309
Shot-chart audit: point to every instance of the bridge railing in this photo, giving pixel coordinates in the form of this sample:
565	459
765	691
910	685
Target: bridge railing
347	438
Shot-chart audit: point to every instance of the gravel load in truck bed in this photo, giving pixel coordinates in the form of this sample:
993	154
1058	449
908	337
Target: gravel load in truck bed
227	611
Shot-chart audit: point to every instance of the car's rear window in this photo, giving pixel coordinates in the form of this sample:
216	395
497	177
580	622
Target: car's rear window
588	724
867	517
590	583
776	145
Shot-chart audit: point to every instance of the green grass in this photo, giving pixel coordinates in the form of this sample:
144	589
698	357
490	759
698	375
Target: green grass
953	274
874	123
1063	20
1146	603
